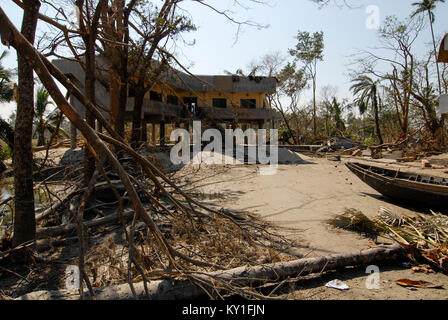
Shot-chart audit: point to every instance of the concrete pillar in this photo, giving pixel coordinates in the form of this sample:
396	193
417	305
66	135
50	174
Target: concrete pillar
153	133
144	131
162	134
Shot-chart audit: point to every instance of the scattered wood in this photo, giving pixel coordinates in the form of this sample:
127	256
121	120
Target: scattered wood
426	164
48	232
334	158
57	206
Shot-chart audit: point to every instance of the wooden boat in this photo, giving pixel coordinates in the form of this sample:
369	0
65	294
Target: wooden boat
410	188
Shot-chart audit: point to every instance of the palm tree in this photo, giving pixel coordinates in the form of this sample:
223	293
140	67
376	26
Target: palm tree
336	110
44	123
6	86
428	6
365	90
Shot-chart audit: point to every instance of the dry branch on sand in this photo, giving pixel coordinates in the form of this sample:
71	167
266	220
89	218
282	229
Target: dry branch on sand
241	276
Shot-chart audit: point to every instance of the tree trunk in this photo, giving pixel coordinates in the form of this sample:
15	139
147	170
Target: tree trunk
24	215
114	96
377	118
288	127
124	77
314	109
89	36
41	139
171	289
137	113
123	95
89	159
435	52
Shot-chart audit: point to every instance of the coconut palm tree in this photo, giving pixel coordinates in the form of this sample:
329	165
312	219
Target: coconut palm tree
43	123
365	90
336	110
428	6
6	86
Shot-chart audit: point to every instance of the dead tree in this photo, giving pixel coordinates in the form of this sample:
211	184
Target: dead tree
115	41
153	28
11	36
24	219
247	276
88	26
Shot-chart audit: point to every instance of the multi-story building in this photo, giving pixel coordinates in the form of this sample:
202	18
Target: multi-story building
227	101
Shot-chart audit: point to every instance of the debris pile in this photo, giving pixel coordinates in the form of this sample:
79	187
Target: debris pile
424	237
403	150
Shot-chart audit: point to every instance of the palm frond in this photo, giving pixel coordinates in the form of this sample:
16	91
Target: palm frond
41	102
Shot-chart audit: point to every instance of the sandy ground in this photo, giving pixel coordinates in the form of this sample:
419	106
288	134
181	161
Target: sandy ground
304	195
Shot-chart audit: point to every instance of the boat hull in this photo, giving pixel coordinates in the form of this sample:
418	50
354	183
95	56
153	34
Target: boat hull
407	191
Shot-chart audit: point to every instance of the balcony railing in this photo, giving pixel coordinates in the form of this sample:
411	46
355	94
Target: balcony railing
161	111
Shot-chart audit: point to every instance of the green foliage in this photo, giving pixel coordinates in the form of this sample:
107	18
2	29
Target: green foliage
309	48
369	141
426	6
334	121
284	135
291	80
5	152
43	122
363	88
336	110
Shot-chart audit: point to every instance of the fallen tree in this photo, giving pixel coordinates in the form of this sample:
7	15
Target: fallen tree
201	239
242	276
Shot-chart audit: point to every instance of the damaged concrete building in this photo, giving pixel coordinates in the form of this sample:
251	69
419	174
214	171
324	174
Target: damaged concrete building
226	101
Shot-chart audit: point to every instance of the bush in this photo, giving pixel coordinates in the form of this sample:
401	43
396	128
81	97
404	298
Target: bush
5	152
369	141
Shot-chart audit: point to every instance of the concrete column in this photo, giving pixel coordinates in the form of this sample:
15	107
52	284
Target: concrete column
144	136
153	133
162	134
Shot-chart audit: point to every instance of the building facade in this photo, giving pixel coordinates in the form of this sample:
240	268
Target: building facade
179	99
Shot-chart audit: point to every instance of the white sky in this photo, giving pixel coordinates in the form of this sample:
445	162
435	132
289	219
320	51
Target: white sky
215	49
